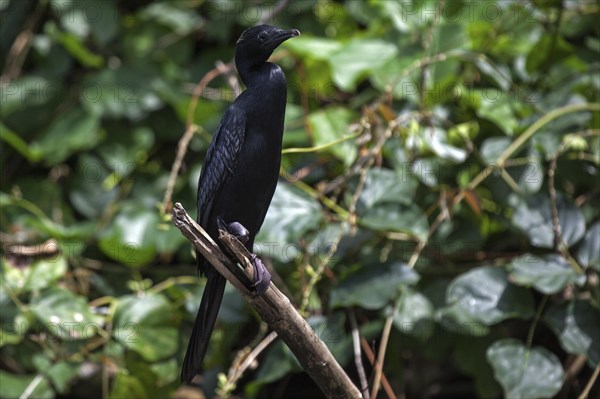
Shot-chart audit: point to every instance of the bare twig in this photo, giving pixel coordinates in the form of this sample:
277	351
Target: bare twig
501	162
191	128
590	384
272	306
371	356
31	387
20	47
364	386
49	247
385	335
181	150
553	209
237	372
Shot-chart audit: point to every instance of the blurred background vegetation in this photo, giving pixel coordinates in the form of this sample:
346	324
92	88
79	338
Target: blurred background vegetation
438	196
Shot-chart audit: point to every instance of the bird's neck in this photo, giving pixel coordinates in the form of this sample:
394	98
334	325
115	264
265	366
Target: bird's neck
264	76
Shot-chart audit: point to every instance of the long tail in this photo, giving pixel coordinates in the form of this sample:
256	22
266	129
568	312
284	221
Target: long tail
203	326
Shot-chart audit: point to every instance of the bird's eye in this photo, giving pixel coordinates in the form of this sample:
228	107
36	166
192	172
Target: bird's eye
263	36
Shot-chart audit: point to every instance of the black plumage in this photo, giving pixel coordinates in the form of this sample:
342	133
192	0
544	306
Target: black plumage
241	169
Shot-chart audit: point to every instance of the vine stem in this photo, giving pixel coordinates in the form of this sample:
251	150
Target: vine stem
500	162
536	319
385	335
590	384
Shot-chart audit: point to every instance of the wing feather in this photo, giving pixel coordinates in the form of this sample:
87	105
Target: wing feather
219	164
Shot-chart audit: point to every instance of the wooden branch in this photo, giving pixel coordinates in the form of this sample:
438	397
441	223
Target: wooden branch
272	306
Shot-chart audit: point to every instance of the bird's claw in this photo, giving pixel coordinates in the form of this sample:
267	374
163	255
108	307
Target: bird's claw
262	277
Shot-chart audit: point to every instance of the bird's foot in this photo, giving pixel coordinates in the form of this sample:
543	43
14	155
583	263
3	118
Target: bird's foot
236	229
262	277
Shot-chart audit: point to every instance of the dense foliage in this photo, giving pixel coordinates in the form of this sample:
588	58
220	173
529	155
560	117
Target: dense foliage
439	195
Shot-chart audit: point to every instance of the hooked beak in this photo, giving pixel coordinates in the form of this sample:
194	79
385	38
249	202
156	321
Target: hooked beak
282	36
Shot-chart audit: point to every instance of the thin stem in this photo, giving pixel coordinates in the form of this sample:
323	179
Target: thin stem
364	386
385	335
590	384
31	387
538	315
341	212
320	147
173	281
500	162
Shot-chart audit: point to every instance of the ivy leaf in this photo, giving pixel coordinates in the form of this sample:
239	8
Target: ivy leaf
385	185
485	294
291	215
348	69
523	372
396	217
73	131
145	325
374	286
332	124
35	276
130	238
414	314
534	218
588	253
549	274
576	325
13	386
65	314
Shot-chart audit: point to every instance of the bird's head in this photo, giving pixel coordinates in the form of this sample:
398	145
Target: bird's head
256	44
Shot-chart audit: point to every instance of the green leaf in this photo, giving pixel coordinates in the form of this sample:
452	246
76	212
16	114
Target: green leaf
61	374
493	147
291	215
374	286
13	386
485	294
73	131
588	253
548	274
35	276
523	372
332	124
145	325
548	50
26	93
358	59
277	363
178	18
576	325
414	314
396	217
122	92
385	185
498	74
130	238
313	47
496	106
65	315
87	194
166	372
127	386
534	218
124	148
458	319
